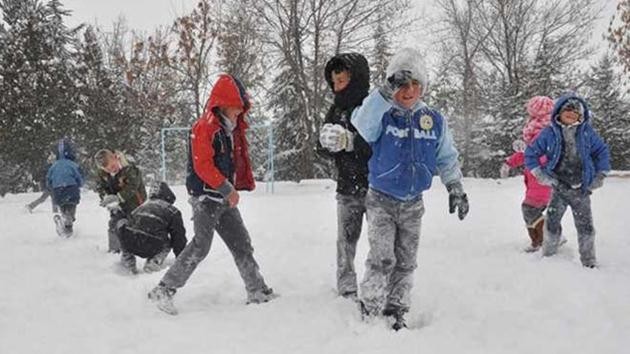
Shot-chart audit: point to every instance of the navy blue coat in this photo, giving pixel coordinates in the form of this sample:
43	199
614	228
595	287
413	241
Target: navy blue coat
592	149
64	177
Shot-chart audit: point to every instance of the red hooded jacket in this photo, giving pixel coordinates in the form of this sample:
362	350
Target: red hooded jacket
213	168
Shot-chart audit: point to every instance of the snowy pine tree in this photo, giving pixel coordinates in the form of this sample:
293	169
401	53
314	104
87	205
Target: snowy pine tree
239	44
105	123
611	111
37	91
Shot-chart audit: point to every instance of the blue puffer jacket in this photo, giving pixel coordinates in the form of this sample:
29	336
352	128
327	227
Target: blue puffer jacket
64	176
408	147
592	149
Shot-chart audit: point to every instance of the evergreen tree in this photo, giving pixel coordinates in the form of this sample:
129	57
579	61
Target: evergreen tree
37	92
611	111
101	99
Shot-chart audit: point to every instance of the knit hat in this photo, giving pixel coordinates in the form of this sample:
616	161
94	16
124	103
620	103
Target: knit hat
408	64
539	109
539	106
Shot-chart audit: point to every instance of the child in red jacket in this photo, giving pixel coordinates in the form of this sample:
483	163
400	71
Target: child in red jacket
218	168
536	195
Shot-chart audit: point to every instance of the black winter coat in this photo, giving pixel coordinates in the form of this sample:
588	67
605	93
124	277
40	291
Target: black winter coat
154	226
352	167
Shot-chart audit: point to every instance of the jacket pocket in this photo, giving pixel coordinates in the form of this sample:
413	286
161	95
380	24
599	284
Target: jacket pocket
390	172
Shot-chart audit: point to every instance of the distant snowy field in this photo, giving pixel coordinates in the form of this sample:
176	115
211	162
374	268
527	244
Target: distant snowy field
475	291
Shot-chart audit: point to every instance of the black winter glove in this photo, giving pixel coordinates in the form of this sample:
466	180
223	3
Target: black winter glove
394	83
457	199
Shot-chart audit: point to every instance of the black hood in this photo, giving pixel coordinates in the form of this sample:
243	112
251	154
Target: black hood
160	190
359	85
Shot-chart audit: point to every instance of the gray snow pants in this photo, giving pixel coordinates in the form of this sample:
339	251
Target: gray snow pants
209	215
350	210
393	233
68	213
580	204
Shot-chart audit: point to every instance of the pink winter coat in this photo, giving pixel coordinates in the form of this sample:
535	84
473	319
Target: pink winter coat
539	109
536	194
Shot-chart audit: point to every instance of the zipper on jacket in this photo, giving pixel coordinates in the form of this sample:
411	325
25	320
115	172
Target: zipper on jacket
412	134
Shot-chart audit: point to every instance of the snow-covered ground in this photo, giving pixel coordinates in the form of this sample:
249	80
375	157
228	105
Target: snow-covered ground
475	291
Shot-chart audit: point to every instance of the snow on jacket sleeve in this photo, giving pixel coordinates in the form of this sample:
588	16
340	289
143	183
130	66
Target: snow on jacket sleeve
367	118
600	154
537	149
203	158
447	157
517	159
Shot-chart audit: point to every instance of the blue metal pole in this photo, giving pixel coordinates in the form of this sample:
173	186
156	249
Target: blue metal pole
271	154
163	154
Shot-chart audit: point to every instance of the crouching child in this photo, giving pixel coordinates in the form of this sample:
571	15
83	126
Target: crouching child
121	189
153	229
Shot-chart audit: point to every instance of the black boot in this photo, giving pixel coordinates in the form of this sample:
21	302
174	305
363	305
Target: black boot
398	315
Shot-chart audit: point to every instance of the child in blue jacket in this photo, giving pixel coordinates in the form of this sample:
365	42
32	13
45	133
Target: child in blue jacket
65	180
410	143
578	161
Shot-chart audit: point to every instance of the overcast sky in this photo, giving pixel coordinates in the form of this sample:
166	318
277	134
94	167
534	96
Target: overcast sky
145	15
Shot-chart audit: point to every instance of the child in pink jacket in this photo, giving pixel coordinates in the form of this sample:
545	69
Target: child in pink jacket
536	195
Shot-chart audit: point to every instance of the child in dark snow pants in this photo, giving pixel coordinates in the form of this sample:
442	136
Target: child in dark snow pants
64	178
578	161
348	75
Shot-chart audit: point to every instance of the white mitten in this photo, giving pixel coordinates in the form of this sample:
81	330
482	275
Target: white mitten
335	138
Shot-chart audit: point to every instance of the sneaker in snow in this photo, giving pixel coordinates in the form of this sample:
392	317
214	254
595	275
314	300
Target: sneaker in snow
261	296
163	299
59	225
